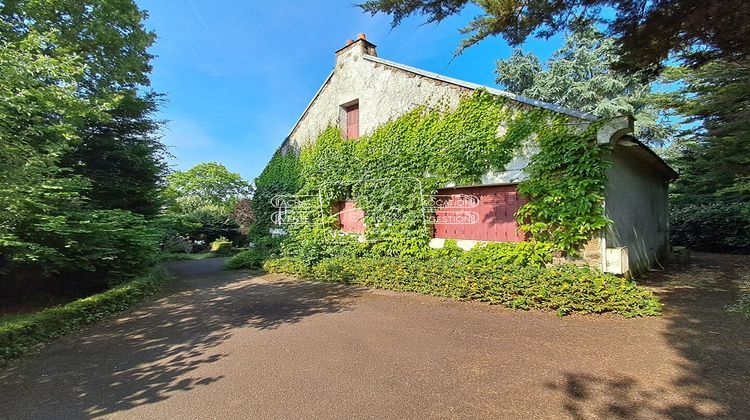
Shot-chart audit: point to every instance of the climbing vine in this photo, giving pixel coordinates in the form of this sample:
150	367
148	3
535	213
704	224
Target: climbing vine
280	176
566	185
392	173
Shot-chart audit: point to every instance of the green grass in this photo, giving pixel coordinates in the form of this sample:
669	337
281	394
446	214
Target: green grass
20	334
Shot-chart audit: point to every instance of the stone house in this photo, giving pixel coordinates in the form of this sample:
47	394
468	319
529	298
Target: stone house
365	91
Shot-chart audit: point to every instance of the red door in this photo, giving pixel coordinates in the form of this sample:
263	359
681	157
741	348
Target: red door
478	213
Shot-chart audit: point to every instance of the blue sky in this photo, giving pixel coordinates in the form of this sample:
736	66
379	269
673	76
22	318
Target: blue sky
238	74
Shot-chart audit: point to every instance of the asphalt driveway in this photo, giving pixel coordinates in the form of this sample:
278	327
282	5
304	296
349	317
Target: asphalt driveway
242	344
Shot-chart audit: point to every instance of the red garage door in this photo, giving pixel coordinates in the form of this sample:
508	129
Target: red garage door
479	213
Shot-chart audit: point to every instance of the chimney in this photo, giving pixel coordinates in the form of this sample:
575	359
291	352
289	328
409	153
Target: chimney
361	44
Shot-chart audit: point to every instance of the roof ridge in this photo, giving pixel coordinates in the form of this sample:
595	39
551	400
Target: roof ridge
492	90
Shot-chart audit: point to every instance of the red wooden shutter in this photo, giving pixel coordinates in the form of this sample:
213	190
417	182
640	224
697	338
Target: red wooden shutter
352	121
491	219
351	218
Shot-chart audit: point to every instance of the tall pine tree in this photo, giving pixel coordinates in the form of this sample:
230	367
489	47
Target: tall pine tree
579	75
118	151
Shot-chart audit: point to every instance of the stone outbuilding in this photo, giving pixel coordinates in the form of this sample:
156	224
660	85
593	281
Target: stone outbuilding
365	91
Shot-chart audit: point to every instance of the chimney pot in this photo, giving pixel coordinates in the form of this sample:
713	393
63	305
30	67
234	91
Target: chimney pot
361	36
349	41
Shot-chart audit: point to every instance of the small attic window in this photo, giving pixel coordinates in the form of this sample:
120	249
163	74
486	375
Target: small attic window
352	120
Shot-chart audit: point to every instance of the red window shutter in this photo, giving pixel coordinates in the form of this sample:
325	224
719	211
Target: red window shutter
352	121
351	218
491	218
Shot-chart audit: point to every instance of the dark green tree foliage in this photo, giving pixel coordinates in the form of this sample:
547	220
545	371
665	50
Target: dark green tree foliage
713	153
206	196
48	227
711	198
107	35
646	31
35	127
118	150
122	156
78	145
207	183
579	75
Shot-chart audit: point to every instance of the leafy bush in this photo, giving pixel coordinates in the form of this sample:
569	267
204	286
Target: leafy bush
267	244
286	265
176	244
20	334
215	222
249	258
741	307
712	227
221	246
111	245
313	243
536	254
565	289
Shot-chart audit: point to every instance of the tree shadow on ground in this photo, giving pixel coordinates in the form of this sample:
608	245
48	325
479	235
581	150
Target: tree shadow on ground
148	354
713	377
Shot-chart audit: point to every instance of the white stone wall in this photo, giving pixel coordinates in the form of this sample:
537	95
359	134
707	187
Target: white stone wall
383	93
636	201
636	196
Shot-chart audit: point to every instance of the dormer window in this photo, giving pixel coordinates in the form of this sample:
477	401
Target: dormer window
352	120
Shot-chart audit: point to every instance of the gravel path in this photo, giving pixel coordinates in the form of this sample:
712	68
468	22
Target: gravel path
226	344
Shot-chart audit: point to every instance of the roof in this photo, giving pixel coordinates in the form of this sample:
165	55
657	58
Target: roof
457	82
309	104
670	172
494	91
648	154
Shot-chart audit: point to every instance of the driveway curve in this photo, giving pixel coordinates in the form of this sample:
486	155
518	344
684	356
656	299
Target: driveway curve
229	344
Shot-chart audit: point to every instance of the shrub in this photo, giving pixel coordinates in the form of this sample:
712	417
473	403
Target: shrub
535	254
105	247
312	244
249	258
712	227
564	289
741	307
222	246
176	244
23	333
286	265
267	244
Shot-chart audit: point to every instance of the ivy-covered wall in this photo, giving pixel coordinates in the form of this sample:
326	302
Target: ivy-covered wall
392	172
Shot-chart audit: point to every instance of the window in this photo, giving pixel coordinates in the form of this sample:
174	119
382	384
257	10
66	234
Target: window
352	120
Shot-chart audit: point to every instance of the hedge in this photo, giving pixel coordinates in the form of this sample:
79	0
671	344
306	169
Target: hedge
565	289
19	335
712	227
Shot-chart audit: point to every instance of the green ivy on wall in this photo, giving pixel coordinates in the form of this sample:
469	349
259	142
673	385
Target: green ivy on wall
280	176
392	173
566	185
